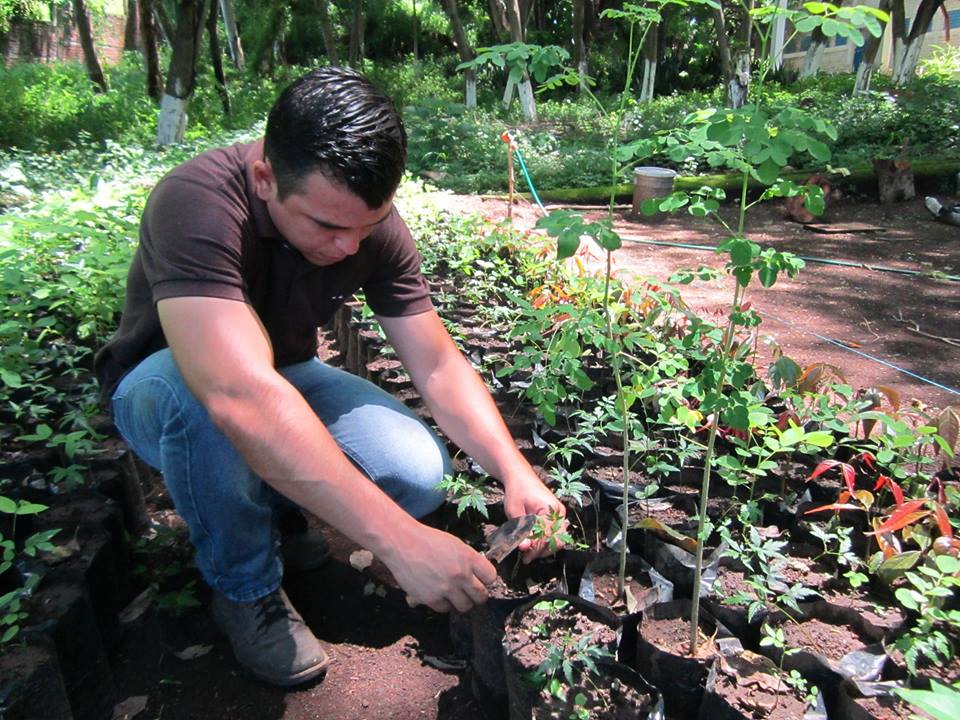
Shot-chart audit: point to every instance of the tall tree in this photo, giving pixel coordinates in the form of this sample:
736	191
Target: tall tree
818	43
234	47
735	55
326	29
164	22
464	48
182	75
358	27
151	57
650	44
90	59
524	87
498	19
130	27
868	62
580	9
216	57
907	46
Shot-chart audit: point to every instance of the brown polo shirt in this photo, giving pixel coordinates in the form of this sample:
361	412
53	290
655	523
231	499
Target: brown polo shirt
204	232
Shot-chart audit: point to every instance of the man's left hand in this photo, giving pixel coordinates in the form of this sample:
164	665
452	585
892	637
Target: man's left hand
527	495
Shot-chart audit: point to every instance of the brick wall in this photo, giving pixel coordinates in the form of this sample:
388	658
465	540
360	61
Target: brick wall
34	40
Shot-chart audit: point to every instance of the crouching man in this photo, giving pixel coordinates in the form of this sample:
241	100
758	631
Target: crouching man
213	379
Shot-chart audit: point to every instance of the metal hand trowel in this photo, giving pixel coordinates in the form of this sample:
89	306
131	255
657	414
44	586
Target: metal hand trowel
508	536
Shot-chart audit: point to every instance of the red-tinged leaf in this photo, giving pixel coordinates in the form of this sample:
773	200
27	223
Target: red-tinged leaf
884	481
868	459
834	506
943	522
823	467
787	417
905	515
810	379
849	475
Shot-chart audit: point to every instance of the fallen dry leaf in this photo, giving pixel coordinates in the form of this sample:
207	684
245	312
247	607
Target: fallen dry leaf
137	607
361	559
129	708
193	652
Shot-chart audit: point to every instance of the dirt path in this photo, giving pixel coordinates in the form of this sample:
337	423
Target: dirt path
876	326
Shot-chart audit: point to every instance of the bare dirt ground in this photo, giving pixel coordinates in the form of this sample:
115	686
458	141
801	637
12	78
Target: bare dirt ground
393	661
879	325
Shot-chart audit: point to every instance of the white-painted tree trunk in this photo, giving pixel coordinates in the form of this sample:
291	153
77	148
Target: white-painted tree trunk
527	103
508	93
777	40
172	120
233	37
649	79
811	61
864	76
582	69
471	90
904	71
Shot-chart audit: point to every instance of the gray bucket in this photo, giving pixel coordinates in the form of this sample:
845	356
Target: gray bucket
651	182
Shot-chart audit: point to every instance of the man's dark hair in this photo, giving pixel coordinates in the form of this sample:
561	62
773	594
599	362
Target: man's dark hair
336	122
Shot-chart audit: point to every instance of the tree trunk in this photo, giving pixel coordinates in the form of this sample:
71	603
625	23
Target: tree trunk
130	27
818	43
723	45
182	75
216	58
579	42
357	30
868	62
416	34
811	61
326	29
163	19
151	58
649	64
90	59
524	88
498	19
776	41
233	36
464	48
905	62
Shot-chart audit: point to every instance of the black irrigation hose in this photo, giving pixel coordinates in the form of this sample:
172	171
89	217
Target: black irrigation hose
806	258
825	261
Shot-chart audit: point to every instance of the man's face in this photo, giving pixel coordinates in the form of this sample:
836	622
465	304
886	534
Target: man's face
323	219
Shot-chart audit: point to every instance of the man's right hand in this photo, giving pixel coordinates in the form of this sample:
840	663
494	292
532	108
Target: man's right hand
438	570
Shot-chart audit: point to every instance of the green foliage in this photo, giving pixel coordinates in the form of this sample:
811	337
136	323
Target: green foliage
12	613
941	701
465	492
932	639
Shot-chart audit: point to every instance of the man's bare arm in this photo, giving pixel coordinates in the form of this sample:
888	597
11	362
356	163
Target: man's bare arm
225	357
463	408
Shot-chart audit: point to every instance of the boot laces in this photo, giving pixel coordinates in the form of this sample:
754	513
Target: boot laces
271	609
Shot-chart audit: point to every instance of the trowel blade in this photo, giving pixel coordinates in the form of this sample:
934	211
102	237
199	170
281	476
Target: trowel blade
508	536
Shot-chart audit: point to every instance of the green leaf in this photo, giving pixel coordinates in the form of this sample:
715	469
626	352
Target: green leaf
768	172
819	438
894	567
7	505
567	244
907	598
29	508
941	701
767	276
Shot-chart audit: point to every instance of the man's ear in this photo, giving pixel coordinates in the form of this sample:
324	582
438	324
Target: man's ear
264	181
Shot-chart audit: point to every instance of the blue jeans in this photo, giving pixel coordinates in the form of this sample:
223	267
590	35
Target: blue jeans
227	507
